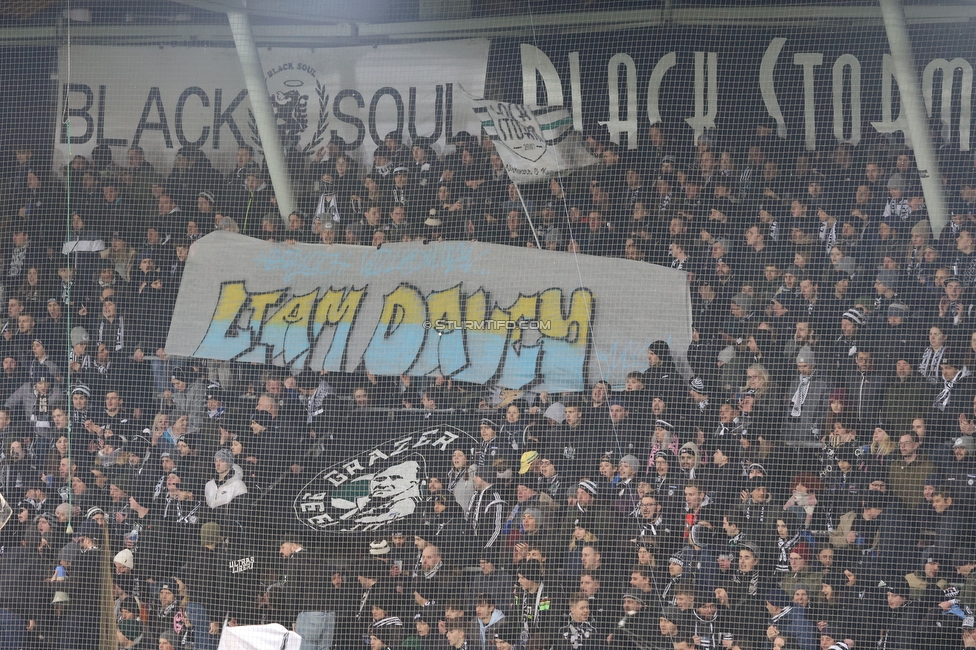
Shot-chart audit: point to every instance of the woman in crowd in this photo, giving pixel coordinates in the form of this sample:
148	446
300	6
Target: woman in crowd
879	454
788	535
459	481
33	292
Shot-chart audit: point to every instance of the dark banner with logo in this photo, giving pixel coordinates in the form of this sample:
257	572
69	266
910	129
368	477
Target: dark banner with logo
379	487
817	88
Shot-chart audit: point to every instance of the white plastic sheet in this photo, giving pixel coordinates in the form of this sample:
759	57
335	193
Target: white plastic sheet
259	637
5	511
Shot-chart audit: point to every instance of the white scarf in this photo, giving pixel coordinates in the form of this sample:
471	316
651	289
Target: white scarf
430	574
85	361
119	333
785	546
17	257
786	610
943	399
931	360
828	235
914	266
800	395
665	203
328	206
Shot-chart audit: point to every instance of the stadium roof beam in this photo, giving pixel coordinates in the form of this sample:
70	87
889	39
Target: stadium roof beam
320	11
319	34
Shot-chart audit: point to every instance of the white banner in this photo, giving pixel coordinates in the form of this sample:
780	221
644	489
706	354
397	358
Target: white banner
469	311
164	98
535	144
5	511
259	637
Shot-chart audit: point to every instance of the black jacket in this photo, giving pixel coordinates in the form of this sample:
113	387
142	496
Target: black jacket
19	590
902	628
302	578
205	573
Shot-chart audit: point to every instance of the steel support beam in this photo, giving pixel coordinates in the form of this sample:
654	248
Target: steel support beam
911	102
257	91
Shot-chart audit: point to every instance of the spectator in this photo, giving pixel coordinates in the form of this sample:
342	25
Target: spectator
808	401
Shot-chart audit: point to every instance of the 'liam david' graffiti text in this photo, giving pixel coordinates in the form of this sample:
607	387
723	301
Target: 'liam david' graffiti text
479	341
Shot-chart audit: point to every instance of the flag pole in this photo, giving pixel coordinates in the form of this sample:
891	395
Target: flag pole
528	216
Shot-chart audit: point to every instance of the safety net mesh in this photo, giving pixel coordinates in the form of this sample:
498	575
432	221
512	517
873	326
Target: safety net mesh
526	324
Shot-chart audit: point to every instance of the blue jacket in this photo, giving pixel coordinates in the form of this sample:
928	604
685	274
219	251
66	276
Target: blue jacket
793	622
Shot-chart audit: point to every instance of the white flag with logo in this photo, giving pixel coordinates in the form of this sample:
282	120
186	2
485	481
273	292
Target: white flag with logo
535	144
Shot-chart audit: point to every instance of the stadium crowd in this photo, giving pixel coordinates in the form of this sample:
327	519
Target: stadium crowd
801	477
